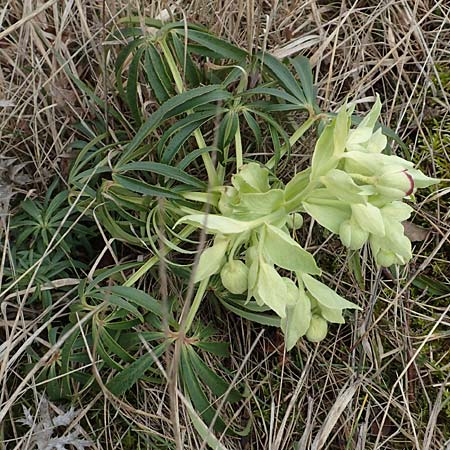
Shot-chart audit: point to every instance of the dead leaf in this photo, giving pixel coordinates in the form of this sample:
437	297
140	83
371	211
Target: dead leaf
415	233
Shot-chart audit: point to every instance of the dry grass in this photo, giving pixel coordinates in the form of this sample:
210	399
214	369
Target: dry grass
381	382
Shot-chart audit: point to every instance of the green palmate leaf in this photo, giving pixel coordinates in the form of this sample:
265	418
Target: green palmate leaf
133	339
66	352
138	298
278	93
276	127
223	48
156	84
121	59
160	69
126	378
114	347
119	302
283	75
192	156
261	318
181	136
176	105
132	85
303	68
203	429
216	224
227	129
324	159
211	260
284	252
100	349
297	320
218	95
277	147
173	173
217	385
195	391
270	289
189	69
216	348
182	123
326	296
256	129
144	188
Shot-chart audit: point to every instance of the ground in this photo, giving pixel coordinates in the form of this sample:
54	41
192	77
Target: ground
381	381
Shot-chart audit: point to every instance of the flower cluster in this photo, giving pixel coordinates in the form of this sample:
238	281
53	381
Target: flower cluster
351	188
252	241
358	193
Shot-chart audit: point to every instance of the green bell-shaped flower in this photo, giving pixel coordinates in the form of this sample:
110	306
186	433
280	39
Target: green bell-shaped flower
294	221
318	328
395	185
234	276
352	235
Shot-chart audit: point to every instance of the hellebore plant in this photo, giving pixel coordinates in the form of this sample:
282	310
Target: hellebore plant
183	159
351	188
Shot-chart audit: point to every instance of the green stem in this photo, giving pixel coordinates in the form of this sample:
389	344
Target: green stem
238	146
155	259
195	305
293	139
207	161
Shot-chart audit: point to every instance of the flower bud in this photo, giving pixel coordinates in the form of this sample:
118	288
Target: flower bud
294	221
386	258
317	330
352	235
234	276
396	185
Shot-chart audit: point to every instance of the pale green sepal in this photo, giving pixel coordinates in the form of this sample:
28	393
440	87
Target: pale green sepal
341	131
292	291
369	218
371	118
297	184
421	180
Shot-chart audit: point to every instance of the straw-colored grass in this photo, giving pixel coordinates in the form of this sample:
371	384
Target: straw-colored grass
380	382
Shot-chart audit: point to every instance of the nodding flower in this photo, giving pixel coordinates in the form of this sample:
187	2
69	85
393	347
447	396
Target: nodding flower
396	184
